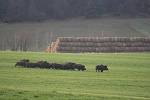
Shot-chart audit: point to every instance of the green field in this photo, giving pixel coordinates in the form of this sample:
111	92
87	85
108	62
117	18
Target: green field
128	77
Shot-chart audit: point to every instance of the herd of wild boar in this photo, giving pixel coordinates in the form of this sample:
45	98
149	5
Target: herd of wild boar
66	66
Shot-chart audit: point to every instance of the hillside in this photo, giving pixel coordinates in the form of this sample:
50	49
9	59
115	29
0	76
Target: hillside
38	35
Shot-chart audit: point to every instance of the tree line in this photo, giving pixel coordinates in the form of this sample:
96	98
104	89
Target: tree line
25	41
38	10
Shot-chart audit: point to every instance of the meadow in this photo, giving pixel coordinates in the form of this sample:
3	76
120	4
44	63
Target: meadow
128	77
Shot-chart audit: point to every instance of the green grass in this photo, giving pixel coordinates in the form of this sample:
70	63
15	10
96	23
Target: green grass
128	77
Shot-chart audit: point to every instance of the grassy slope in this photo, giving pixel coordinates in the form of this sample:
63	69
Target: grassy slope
128	77
83	27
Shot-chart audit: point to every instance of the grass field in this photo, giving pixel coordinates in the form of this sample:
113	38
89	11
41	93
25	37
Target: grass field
128	77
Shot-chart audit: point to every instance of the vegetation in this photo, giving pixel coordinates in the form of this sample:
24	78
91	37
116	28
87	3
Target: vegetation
37	10
127	78
92	18
37	36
